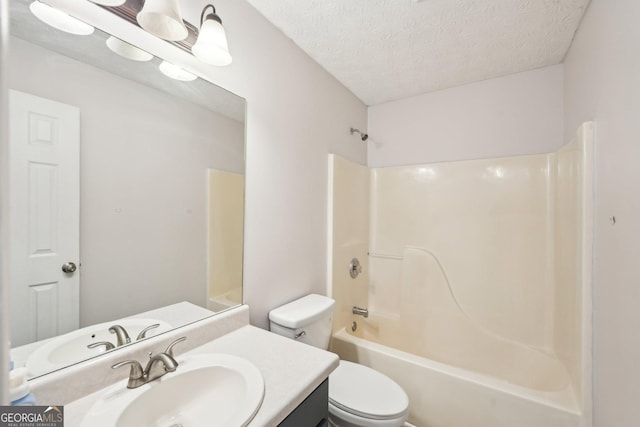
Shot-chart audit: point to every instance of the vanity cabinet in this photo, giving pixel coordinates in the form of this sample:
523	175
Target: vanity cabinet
313	412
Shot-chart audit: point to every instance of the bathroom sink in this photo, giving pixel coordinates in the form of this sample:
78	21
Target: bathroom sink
206	390
72	347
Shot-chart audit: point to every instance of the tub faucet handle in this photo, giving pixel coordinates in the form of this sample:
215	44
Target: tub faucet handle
355	268
360	311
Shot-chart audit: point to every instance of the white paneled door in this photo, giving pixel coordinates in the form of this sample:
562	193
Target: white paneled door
44	205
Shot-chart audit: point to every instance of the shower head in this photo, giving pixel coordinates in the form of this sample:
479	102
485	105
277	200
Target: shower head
363	135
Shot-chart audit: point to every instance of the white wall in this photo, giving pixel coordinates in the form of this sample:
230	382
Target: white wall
507	116
296	114
602	82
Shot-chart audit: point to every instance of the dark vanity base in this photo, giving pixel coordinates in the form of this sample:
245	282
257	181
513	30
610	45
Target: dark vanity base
313	412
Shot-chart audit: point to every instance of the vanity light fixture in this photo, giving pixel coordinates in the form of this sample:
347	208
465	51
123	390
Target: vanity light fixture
211	46
110	3
163	19
175	72
59	20
127	50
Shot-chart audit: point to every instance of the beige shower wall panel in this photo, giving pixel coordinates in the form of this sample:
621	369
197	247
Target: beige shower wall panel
568	297
226	229
349	228
573	225
488	224
385	296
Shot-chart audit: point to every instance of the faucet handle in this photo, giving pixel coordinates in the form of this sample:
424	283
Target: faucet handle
169	349
136	368
107	344
143	333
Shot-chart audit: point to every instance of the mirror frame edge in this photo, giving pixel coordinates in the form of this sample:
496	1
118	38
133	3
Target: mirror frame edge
4	283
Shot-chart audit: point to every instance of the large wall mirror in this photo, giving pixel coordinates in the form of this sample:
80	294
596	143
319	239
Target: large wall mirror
126	196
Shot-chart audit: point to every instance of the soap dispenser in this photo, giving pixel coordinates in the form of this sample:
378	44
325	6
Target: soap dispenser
19	389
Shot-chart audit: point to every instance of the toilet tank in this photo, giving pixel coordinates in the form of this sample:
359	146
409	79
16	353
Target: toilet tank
307	320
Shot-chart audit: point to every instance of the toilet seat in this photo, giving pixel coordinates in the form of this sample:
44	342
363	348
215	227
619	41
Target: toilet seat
340	418
361	392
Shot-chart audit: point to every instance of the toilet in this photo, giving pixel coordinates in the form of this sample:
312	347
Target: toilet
358	395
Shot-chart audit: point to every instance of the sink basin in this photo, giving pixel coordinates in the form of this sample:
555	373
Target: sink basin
208	390
72	347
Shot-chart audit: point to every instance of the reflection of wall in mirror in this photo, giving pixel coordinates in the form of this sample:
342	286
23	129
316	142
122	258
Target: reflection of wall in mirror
144	157
226	206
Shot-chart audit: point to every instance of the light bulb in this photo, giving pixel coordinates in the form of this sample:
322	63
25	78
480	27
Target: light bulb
175	72
60	20
127	50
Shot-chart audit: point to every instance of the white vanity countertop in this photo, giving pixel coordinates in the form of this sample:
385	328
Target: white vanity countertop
291	371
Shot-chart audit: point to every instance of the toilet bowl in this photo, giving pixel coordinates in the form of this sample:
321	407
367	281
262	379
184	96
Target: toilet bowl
358	395
362	397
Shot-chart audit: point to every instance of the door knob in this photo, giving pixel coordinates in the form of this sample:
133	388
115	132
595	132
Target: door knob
69	268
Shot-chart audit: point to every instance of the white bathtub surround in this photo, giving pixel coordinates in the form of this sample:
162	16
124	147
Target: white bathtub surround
482	265
224	300
348	235
573	262
431	323
225	229
291	371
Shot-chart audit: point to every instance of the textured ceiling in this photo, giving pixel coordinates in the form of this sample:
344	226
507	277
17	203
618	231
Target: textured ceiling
384	50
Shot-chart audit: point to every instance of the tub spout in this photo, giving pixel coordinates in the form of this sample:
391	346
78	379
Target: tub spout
360	311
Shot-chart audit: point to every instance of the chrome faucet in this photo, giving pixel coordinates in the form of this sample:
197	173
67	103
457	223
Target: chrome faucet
157	366
360	311
122	336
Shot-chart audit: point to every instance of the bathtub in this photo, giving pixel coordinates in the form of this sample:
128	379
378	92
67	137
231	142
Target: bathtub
442	395
477	278
221	302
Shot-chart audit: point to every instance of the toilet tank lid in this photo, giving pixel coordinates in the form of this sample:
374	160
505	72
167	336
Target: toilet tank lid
303	311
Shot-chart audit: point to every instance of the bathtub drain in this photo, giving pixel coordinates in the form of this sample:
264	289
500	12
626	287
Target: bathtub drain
354	326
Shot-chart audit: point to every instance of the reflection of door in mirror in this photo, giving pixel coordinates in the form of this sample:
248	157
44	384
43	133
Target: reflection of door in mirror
44	216
225	230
